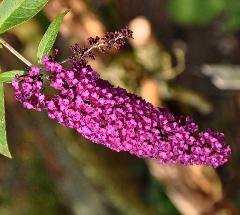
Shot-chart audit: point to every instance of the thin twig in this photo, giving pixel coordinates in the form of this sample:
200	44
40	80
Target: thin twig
15	52
96	46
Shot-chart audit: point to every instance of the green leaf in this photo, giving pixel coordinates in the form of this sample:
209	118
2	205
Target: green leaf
195	12
7	77
50	36
3	138
14	12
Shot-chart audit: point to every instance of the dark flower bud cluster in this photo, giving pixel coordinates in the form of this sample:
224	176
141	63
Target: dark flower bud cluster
93	40
110	40
117	119
117	39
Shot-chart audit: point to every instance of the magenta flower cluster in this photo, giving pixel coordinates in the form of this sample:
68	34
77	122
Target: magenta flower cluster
29	89
119	120
113	117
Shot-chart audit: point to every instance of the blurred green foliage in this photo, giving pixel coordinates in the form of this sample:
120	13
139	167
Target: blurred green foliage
158	198
33	193
195	12
232	15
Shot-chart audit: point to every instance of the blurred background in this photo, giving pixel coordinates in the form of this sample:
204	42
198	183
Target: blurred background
185	56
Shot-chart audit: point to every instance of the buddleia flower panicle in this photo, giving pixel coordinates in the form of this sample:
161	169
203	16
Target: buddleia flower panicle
113	117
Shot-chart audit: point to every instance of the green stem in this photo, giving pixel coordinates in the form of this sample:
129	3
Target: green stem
15	52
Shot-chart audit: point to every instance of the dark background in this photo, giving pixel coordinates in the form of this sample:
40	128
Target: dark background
185	56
